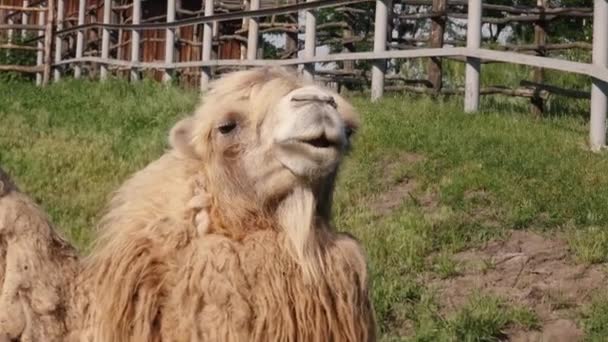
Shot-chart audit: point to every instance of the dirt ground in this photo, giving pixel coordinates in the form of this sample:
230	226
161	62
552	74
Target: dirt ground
402	188
528	269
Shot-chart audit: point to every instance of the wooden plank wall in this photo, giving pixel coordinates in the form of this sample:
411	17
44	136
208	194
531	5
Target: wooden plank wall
152	45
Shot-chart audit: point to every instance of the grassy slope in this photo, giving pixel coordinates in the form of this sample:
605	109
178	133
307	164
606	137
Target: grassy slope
71	144
69	148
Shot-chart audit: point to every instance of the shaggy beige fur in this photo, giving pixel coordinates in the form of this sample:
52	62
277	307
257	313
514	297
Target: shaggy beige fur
36	268
227	236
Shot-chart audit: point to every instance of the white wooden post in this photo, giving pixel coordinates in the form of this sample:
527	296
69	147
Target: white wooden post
169	42
244	23
599	89
58	39
254	30
310	43
40	46
48	42
379	65
473	67
105	39
10	21
135	39
24	16
207	40
80	37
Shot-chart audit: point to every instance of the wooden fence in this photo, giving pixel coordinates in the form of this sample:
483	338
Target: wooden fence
471	52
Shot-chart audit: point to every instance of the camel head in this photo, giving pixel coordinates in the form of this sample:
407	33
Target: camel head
269	146
263	132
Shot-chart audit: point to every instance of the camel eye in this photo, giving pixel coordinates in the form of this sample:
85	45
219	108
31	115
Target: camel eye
227	127
349	131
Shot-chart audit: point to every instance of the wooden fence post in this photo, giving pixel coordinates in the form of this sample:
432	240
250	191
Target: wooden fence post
10	32
207	46
540	39
599	89
253	34
117	18
291	44
135	40
380	31
348	46
24	17
471	96
48	41
436	41
105	39
244	24
169	42
40	46
58	39
80	37
310	43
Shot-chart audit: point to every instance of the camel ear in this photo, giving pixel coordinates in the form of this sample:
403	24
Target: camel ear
6	184
180	137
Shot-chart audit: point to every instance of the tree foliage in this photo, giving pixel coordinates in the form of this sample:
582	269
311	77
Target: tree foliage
358	22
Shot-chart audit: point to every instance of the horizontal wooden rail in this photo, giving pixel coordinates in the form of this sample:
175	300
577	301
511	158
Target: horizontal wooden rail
18	47
21	68
546	47
208	19
577	94
499	20
518	9
22	27
22	9
218	17
523	18
500	56
491	90
542	62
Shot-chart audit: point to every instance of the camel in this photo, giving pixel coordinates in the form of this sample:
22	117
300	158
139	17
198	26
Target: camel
225	237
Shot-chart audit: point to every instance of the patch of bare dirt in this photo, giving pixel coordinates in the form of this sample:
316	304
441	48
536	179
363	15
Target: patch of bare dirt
394	197
531	270
560	330
403	188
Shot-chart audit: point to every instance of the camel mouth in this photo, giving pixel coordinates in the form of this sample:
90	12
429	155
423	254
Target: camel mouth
310	155
320	142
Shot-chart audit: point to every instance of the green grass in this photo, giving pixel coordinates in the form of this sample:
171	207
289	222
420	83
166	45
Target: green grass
596	320
69	145
477	176
482	318
485	318
590	245
445	266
